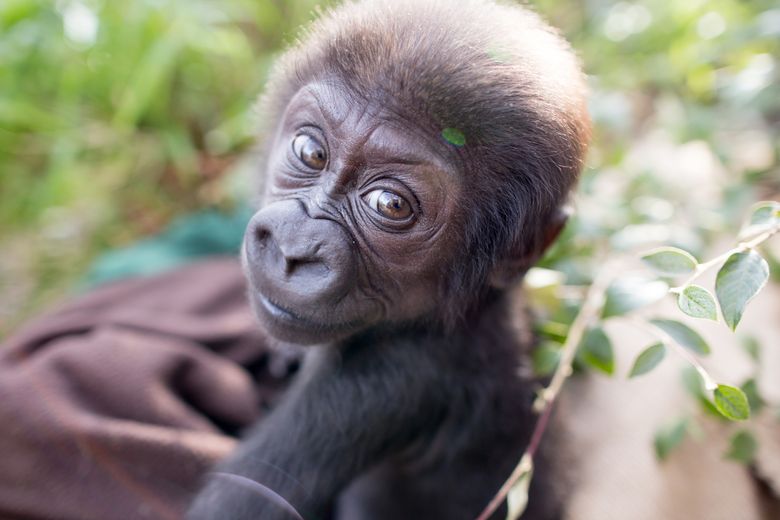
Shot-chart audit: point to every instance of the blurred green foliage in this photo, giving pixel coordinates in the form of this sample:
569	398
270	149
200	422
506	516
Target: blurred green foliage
116	117
686	108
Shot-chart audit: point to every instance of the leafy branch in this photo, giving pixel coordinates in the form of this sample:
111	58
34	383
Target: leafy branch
739	279
742	274
740	248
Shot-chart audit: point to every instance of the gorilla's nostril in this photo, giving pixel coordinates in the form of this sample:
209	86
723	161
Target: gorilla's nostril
261	236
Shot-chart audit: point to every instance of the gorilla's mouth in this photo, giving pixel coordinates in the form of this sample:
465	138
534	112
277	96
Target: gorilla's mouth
293	319
277	310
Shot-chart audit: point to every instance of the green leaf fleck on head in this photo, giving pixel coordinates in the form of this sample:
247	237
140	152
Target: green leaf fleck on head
453	136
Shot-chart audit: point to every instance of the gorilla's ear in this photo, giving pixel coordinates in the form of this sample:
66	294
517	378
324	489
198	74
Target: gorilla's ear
511	268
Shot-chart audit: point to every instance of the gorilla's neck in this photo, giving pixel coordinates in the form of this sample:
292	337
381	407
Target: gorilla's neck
500	315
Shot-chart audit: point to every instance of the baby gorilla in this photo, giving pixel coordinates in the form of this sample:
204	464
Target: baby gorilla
417	162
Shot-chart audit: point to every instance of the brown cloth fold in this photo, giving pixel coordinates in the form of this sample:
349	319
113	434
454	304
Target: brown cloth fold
116	405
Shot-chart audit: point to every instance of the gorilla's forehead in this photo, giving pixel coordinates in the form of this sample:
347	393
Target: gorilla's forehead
372	128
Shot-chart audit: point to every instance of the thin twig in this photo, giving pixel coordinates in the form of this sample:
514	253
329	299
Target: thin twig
591	307
742	246
594	300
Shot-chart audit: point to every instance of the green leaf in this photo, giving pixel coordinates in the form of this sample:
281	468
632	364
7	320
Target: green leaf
648	359
545	358
683	334
752	347
667	439
553	330
630	293
742	447
670	261
732	403
596	350
754	398
453	136
738	281
697	301
764	215
764	212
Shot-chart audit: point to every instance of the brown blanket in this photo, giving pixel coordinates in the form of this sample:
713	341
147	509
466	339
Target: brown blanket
116	405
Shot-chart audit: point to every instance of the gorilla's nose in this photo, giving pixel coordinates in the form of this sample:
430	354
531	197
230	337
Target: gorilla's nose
296	255
297	258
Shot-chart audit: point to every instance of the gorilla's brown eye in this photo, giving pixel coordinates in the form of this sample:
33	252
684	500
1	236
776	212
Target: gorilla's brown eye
310	151
388	204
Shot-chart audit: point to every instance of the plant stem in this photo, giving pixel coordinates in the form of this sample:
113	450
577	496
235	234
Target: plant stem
591	307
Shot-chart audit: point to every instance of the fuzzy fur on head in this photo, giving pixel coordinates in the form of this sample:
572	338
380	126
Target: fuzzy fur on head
495	72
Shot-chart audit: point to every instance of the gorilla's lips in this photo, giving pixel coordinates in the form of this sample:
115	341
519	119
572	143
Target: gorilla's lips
282	314
277	316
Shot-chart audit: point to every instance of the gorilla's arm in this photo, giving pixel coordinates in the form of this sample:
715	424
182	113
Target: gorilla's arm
347	411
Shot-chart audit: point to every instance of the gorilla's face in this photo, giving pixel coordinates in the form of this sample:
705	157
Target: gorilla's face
359	219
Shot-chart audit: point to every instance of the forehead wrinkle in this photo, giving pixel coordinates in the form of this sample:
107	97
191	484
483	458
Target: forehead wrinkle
331	93
311	91
326	112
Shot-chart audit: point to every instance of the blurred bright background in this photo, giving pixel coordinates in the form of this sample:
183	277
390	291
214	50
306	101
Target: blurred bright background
118	117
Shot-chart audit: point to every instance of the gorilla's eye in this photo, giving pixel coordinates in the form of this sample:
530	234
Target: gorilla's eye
310	151
388	204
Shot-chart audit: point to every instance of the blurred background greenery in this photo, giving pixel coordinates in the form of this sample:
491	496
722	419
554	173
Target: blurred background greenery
117	117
